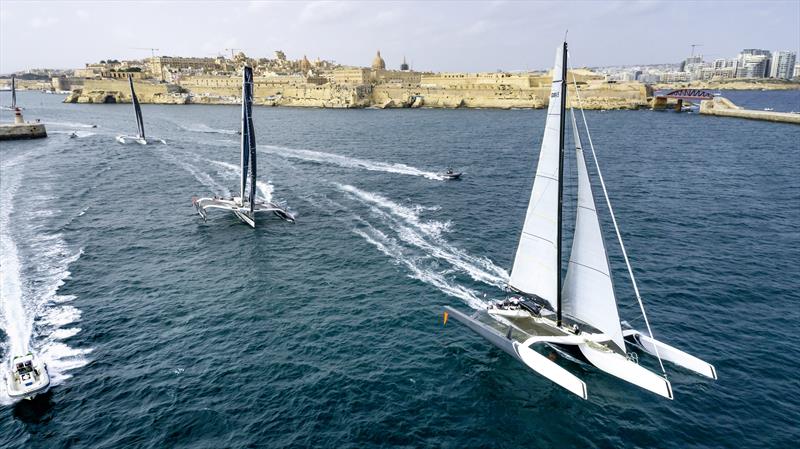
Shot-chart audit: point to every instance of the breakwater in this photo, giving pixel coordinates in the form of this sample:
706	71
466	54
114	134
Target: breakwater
720	106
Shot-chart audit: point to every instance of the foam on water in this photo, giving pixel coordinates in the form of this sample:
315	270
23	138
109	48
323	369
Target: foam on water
265	188
35	300
203	128
71	124
348	162
427	236
391	248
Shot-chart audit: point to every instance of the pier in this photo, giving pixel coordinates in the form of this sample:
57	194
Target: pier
21	130
723	107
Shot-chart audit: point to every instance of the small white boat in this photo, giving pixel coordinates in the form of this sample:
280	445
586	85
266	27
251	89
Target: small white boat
140	137
73	135
450	174
26	377
769	109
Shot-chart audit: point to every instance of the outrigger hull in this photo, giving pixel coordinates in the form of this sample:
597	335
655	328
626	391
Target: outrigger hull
202	205
524	354
586	347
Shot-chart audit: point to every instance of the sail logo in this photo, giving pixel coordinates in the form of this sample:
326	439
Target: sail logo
555	94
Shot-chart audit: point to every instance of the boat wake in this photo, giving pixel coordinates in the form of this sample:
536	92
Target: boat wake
265	188
35	317
203	128
400	233
348	162
70	125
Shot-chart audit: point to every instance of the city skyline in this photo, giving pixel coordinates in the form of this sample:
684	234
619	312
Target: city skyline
438	37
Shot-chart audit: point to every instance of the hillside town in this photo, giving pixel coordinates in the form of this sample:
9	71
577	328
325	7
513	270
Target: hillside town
283	81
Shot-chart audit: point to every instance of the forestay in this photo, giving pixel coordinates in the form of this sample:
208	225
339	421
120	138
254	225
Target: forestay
588	290
535	270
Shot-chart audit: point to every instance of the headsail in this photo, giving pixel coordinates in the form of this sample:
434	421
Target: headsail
248	141
137	109
536	265
588	289
13	92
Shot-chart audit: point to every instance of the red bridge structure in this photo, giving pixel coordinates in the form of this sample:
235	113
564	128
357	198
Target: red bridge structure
692	95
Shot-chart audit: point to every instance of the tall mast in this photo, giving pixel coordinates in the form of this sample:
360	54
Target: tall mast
561	179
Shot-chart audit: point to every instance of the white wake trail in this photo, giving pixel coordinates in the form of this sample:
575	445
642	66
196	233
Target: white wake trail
348	162
203	128
35	299
426	235
265	188
388	246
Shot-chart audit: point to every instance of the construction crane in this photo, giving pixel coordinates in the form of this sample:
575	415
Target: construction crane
152	50
695	45
232	49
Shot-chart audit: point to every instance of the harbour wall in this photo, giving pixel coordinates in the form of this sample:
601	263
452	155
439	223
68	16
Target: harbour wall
20	131
723	107
484	92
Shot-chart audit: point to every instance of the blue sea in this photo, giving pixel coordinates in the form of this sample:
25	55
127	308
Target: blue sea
161	330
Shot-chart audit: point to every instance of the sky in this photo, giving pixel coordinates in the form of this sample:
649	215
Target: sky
435	36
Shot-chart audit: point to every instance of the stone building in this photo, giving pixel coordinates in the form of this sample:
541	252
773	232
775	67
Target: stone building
378	63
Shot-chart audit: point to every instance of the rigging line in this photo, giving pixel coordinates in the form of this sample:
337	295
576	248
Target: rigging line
616	227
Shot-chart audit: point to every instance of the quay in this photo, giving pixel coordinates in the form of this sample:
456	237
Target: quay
723	107
21	130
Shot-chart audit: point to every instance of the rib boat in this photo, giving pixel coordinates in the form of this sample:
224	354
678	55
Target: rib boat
577	315
246	205
140	137
26	377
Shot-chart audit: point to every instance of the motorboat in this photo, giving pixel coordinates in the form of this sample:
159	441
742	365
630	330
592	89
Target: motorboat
26	377
450	174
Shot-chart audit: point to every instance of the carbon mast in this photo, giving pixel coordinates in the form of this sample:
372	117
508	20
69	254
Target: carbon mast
561	180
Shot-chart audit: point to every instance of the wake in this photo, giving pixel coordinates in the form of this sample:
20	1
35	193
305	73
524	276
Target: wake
348	162
203	128
34	315
71	124
418	244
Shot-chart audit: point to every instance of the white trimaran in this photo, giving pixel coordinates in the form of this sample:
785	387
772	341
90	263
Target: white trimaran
246	205
139	137
579	318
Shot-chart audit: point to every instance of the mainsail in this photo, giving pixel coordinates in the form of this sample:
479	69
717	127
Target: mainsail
248	157
536	265
137	109
13	92
588	289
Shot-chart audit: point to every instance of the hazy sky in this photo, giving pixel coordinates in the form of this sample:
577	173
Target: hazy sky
438	36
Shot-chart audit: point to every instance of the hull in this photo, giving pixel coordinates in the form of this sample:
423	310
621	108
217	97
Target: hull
28	384
140	140
203	205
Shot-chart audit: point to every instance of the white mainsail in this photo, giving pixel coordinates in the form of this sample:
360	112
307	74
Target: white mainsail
535	270
588	293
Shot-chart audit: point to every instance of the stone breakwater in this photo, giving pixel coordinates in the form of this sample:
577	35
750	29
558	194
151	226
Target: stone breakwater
594	95
723	107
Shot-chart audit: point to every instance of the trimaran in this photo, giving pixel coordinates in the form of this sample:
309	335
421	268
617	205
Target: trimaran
579	318
137	109
246	205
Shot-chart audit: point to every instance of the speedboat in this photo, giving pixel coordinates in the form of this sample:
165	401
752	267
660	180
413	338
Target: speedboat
26	377
73	135
451	174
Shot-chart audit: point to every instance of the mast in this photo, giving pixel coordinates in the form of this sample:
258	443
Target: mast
136	109
13	92
245	147
561	180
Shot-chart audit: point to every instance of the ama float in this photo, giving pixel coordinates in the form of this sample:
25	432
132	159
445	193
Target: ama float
246	205
578	315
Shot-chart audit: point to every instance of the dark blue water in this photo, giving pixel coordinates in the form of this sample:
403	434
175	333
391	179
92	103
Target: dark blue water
164	331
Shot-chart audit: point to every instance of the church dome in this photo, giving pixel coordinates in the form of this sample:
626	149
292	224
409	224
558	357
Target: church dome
378	63
305	65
